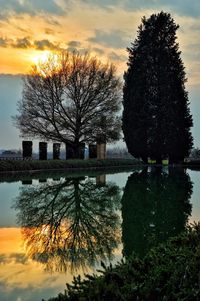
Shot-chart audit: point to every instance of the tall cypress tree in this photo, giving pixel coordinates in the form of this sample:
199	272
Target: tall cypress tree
156	116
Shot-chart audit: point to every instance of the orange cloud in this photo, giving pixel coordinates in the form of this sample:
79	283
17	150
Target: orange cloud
18	273
104	30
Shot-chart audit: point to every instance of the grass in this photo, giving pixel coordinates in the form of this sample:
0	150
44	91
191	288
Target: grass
169	272
6	166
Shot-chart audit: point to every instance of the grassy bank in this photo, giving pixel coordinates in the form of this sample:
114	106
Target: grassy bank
6	166
169	272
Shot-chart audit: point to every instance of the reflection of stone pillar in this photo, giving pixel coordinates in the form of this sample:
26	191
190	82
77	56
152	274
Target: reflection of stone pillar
42	180
92	151
56	151
27	182
27	149
42	151
101	180
56	179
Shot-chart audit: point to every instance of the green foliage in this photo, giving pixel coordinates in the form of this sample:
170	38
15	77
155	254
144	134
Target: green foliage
168	272
156	116
64	164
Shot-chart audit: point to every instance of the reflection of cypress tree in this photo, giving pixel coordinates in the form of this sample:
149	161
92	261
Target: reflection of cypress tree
71	223
155	206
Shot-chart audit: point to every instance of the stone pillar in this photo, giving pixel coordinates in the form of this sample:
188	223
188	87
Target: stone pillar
69	152
92	151
27	149
42	151
101	180
101	147
81	150
56	151
79	154
101	151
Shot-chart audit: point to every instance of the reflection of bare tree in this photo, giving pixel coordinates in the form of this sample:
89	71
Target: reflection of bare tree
69	223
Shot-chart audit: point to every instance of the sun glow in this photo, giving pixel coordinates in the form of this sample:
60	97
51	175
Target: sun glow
41	57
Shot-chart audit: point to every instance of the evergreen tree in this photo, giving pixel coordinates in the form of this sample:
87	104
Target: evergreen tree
156	116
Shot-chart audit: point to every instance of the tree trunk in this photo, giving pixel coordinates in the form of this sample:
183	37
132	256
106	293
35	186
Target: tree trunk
69	151
158	160
144	159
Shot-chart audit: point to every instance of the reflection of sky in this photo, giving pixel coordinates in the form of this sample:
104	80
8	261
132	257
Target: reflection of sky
22	279
195	199
8	191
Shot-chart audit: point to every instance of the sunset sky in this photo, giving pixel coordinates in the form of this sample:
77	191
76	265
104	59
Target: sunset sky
30	29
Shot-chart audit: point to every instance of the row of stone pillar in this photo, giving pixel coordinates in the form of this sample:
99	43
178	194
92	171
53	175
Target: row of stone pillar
100	180
95	150
27	150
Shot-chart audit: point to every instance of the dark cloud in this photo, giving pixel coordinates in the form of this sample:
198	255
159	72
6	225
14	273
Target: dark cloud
23	30
45	45
104	4
72	49
25	43
49	31
13	258
181	7
4	42
19	258
31	7
22	43
81	51
113	39
192	52
98	50
74	44
3	258
30	292
18	43
195	27
52	21
113	56
51	7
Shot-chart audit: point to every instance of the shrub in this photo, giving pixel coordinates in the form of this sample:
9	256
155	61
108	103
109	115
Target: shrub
168	272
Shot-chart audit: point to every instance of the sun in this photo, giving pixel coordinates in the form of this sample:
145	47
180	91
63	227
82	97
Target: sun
40	57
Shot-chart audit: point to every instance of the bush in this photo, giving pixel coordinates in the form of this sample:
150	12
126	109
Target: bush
169	272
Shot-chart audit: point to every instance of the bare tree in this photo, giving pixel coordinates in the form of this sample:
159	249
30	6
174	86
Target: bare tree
71	99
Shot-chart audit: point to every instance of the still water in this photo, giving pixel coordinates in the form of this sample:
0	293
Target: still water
55	226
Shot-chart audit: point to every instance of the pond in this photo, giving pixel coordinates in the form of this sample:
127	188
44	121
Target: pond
56	226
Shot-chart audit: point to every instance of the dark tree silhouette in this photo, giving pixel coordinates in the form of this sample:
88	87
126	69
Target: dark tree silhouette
69	224
156	115
71	99
155	206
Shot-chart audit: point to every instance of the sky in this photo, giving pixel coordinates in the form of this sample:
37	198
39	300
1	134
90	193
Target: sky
31	29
